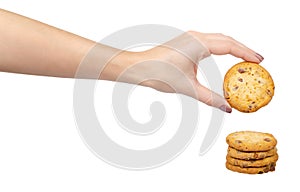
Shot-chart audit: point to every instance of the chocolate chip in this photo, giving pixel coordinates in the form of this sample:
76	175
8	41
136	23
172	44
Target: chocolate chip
241	70
269	92
266	170
272	167
260	172
235	88
238	141
240	79
267	139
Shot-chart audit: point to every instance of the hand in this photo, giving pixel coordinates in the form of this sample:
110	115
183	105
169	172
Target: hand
172	67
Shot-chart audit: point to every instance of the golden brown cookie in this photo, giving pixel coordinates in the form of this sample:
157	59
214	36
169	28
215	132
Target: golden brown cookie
250	155
251	141
251	170
248	87
252	163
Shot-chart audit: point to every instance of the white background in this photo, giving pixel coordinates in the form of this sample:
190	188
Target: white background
40	147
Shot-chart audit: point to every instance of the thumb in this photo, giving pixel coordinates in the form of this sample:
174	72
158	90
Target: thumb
211	98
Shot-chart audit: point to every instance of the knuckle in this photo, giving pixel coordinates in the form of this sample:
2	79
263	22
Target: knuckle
208	100
226	37
220	34
230	44
230	38
192	33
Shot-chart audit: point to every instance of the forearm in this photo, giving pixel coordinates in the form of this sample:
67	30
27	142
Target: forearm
31	47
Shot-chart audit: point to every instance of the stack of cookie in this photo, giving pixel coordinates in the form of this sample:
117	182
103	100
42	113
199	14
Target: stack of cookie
251	152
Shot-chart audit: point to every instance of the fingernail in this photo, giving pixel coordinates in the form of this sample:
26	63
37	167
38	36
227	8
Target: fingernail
261	58
225	108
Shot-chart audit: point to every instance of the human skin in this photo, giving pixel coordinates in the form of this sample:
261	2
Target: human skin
28	46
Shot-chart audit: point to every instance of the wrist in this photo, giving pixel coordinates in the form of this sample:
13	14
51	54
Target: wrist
117	69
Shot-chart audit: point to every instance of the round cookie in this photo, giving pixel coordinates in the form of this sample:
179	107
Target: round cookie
252	163
251	141
251	170
248	87
250	155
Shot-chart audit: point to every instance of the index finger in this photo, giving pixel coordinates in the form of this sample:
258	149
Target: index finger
220	44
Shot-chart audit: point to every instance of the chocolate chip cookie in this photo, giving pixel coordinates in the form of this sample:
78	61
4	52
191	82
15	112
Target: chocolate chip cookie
251	141
248	87
251	170
250	155
252	163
